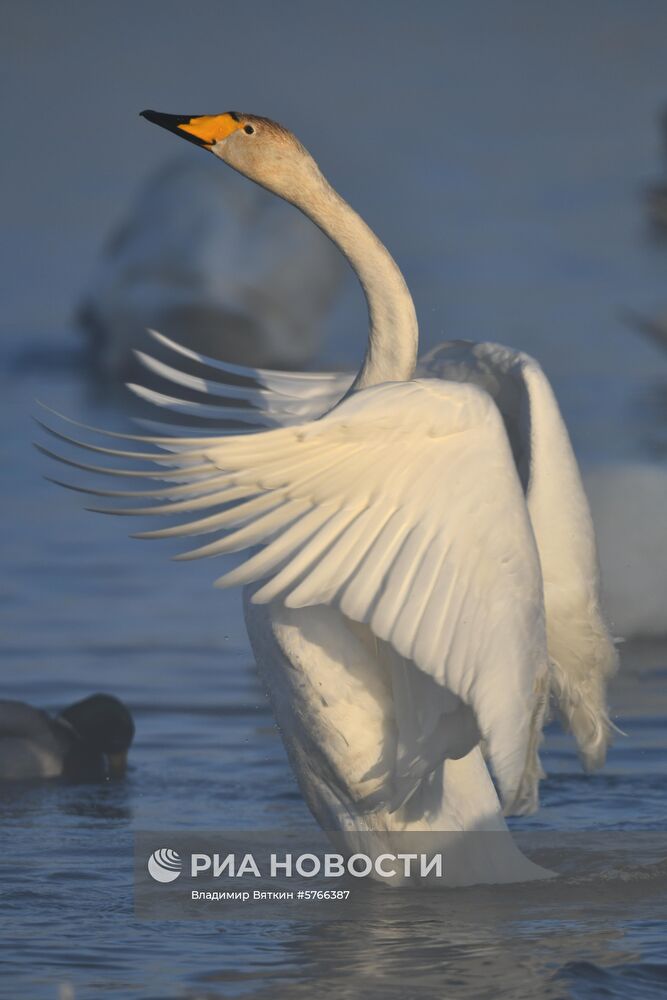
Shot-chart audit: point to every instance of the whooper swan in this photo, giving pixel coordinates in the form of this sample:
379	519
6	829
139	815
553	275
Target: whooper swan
423	569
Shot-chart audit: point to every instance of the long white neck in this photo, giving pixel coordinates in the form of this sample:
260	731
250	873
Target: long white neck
393	333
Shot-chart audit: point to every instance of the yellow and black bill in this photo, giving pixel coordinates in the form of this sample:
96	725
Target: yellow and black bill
203	130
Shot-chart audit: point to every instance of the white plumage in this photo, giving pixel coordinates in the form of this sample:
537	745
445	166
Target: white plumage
404	547
583	656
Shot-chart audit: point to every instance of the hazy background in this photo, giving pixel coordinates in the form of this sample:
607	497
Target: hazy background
498	148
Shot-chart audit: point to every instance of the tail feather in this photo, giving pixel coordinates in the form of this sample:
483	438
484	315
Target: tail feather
583	660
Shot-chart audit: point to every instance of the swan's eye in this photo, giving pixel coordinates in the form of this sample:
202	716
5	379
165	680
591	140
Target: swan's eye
248	129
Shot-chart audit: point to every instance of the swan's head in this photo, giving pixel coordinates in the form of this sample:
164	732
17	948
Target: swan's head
260	148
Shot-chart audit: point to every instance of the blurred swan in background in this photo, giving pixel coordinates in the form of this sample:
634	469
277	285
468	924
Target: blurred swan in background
414	537
230	270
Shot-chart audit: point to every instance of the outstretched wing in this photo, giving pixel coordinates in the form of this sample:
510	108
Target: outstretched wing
402	509
236	395
580	646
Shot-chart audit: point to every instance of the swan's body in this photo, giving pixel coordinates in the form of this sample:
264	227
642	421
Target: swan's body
396	605
218	263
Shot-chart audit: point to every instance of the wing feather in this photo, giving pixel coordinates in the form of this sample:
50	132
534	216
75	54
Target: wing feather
261	528
273	398
580	645
403	571
401	508
582	650
324	582
189	408
317	383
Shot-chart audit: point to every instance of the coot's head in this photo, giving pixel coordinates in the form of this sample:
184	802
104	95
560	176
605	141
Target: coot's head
104	725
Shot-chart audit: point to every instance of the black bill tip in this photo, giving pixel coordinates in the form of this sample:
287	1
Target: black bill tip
172	123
